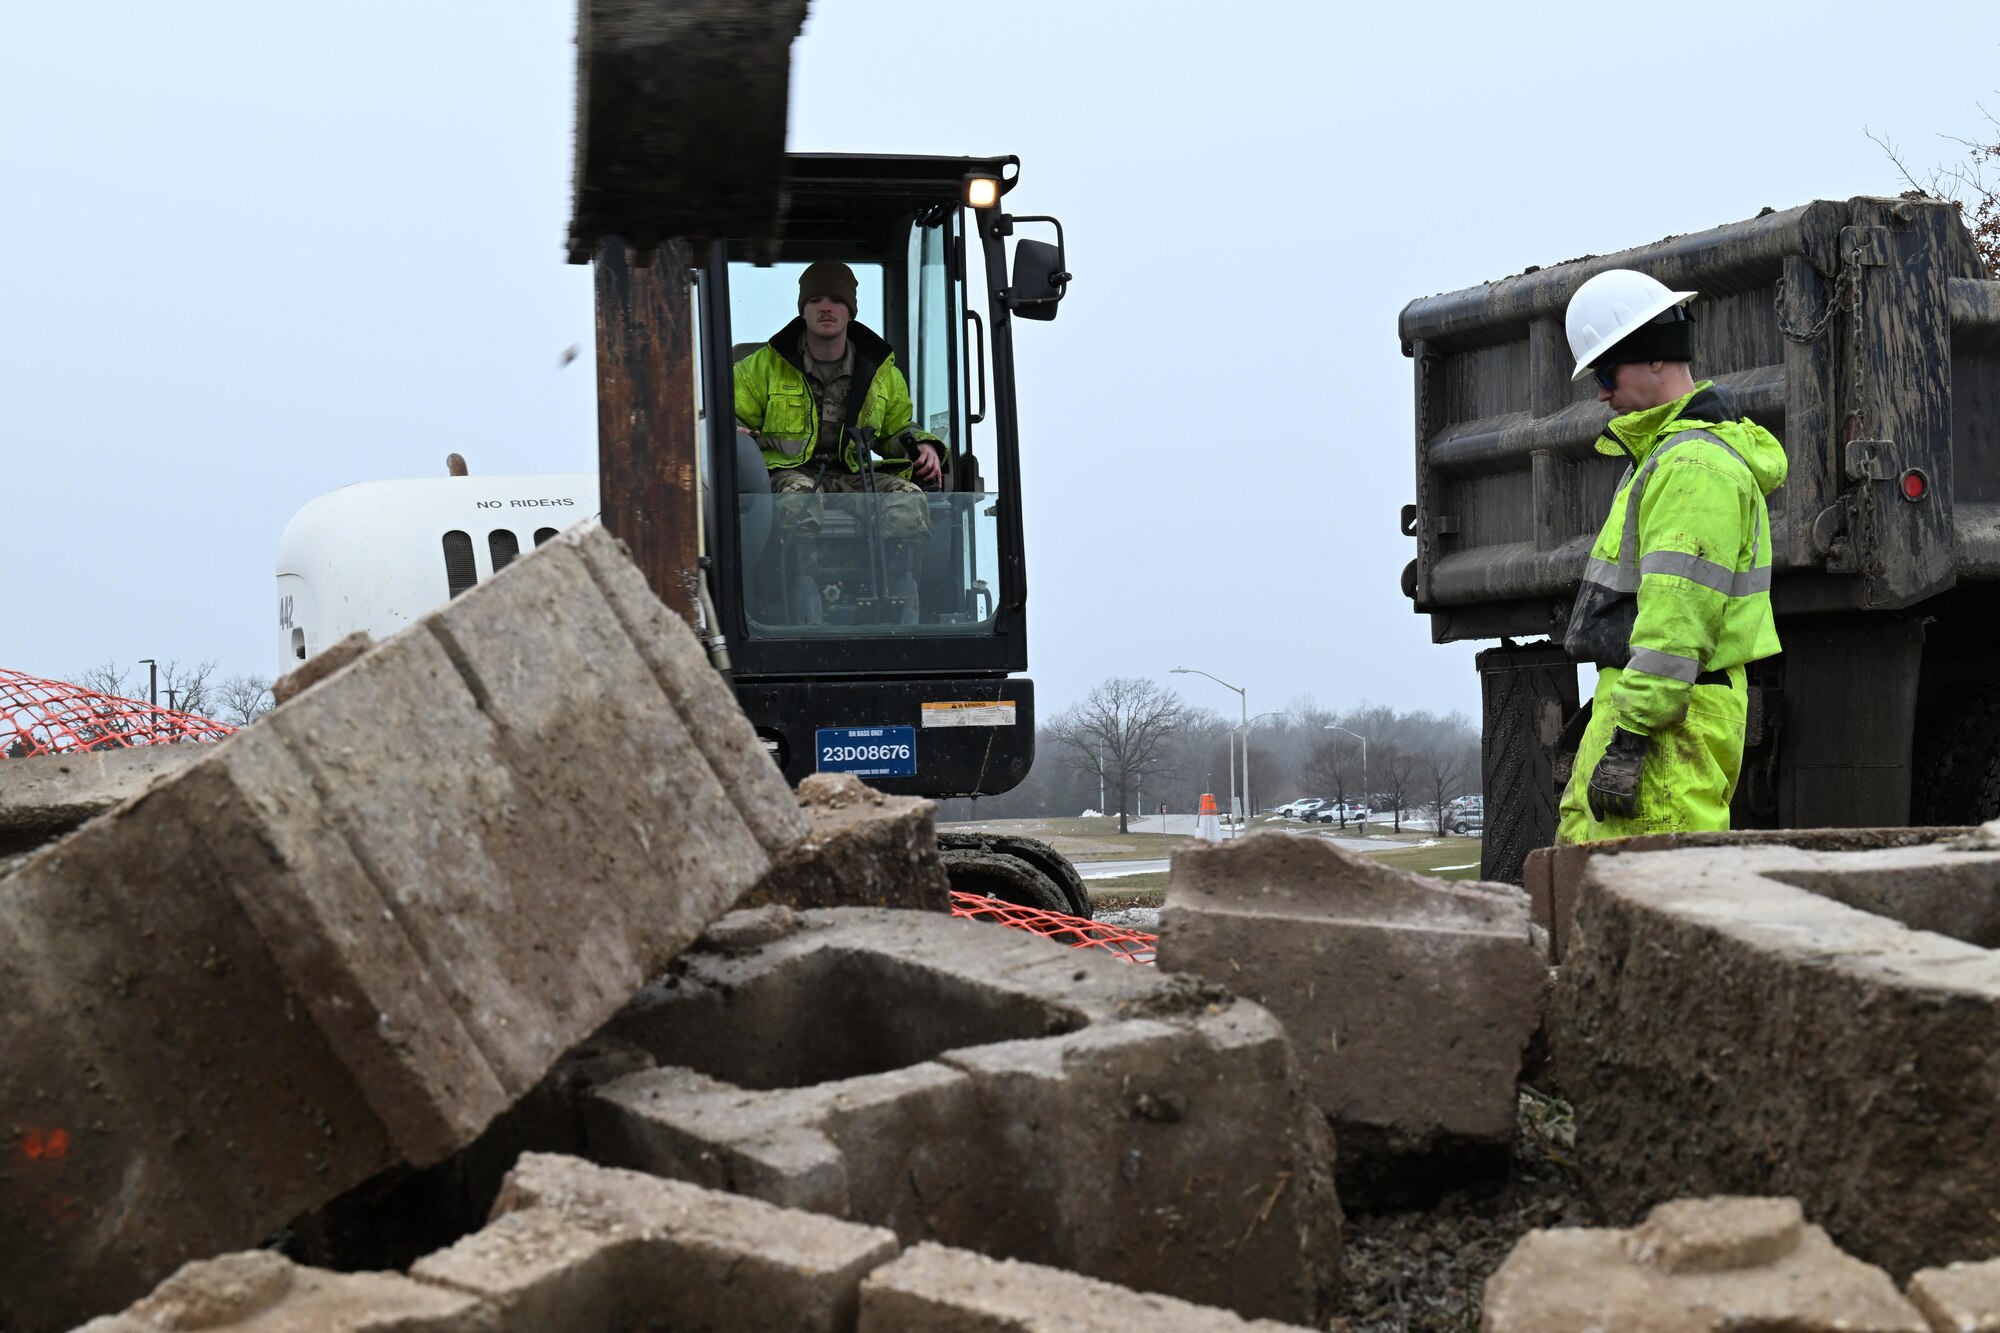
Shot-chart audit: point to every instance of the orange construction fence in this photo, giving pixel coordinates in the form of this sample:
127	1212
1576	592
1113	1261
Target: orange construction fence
39	716
1134	946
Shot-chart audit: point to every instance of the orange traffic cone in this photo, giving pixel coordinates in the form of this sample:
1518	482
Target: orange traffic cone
1208	824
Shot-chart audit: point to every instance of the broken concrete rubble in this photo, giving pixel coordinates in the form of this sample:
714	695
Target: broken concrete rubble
1409	999
1752	1020
865	849
320	665
585	1249
257	1291
353	933
991	1090
932	1289
1553	875
575	1246
45	796
1694	1266
1959	1298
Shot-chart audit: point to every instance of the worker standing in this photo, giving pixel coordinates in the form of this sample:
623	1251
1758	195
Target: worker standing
1676	598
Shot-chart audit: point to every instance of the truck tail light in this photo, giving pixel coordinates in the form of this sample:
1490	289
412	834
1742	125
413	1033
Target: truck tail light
1915	484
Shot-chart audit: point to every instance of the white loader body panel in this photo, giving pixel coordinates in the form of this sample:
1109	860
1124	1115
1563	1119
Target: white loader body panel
379	554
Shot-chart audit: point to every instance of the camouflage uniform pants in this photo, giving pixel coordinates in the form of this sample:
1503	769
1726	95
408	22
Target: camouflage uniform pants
798	508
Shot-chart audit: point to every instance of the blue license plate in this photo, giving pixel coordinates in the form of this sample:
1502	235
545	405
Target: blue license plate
868	752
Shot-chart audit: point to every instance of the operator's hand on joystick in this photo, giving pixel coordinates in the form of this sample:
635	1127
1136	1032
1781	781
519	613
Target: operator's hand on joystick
1614	784
928	469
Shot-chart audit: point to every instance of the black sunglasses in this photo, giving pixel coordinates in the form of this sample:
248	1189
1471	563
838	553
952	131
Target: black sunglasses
1607	377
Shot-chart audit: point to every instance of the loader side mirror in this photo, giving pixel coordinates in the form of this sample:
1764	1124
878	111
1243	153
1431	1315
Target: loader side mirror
1039	279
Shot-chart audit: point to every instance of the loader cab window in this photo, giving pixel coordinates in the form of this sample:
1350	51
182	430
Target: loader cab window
835	540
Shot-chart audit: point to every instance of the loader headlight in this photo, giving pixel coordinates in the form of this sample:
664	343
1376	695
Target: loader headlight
982	191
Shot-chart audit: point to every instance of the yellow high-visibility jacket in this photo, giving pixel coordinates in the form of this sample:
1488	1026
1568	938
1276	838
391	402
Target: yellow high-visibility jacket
1676	600
774	399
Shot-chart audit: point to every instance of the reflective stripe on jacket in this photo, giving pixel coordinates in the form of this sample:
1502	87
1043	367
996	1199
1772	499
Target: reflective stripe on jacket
1679	579
775	399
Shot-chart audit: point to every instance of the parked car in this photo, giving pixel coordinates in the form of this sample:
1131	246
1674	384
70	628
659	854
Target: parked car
1306	809
1466	805
1468	825
1334	812
1289	810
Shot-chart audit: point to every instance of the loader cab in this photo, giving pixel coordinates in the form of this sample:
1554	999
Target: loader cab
849	635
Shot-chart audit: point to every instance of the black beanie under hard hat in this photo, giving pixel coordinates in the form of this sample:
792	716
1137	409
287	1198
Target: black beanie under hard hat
829	277
1669	336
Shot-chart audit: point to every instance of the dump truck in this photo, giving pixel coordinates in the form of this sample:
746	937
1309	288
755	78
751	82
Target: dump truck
1866	335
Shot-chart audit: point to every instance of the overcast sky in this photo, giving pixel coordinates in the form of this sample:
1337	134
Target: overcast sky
252	252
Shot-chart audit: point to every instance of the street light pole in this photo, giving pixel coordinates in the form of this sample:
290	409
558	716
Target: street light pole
1364	754
153	681
1243	702
1249	807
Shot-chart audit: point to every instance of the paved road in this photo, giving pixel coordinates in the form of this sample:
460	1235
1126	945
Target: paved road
1116	869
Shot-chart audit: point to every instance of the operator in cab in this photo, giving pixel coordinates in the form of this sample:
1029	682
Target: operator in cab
1676	599
832	413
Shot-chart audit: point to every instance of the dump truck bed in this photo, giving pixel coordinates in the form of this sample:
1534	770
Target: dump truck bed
1864	333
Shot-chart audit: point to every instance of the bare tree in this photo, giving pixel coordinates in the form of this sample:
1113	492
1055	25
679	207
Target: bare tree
1443	773
188	687
1330	769
1197	751
242	699
105	678
1393	770
1122	733
1964	185
106	722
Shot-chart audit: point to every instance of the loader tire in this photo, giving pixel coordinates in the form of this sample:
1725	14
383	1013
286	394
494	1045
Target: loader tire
1956	767
1010	879
1024	871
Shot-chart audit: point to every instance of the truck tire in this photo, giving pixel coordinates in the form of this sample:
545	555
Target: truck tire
1525	695
1957	765
1024	871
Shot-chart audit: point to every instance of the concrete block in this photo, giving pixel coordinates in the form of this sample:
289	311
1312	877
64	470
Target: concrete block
167	1093
988	1089
1409	999
932	1289
1554	875
45	796
1960	1297
1695	1265
261	1292
719	727
321	665
581	1247
1771	1020
865	849
355	932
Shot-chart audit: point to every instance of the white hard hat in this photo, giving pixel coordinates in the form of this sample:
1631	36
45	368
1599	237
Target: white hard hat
1611	307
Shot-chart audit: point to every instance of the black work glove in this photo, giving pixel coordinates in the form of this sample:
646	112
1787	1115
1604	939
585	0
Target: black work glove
1614	785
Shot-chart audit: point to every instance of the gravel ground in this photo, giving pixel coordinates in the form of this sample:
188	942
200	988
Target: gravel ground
1132	918
1424	1271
